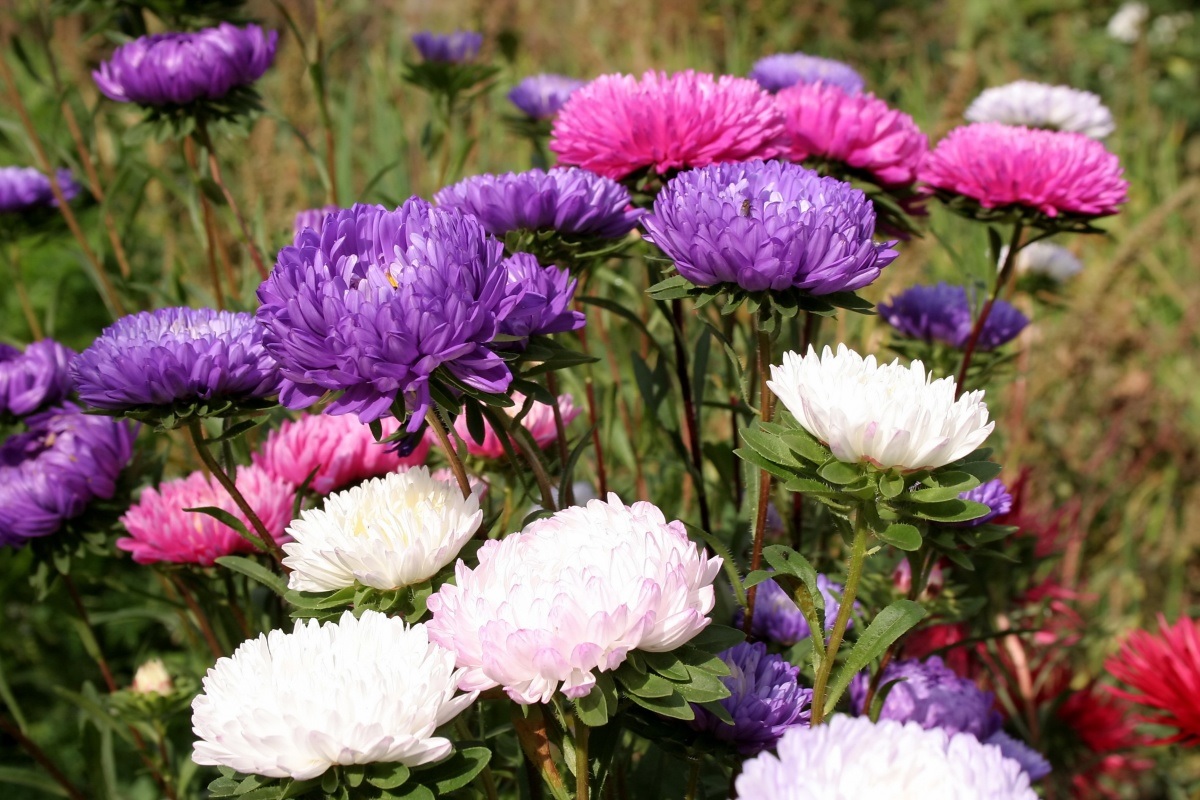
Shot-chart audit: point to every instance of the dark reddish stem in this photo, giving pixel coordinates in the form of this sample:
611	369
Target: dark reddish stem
691	417
1010	259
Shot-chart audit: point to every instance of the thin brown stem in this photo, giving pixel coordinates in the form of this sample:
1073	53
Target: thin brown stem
18	279
456	465
565	491
764	478
214	169
691	416
323	105
77	601
1010	259
529	449
43	760
202	621
589	391
627	418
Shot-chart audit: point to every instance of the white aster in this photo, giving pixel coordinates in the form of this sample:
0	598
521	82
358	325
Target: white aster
852	758
1126	25
387	533
888	415
572	594
1046	260
355	691
1039	105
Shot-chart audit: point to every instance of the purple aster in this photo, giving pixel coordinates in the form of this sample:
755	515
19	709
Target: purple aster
176	355
50	473
449	48
541	96
1033	762
942	313
787	69
568	200
37	378
765	700
25	189
993	494
377	301
175	69
312	218
777	618
545	304
768	226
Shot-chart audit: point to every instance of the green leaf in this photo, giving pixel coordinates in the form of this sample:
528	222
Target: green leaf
457	771
717	638
33	780
592	708
839	472
675	287
902	536
388	776
645	684
667	665
950	511
891	485
671	706
719	711
255	571
224	517
771	446
889	625
319	601
703	687
223	787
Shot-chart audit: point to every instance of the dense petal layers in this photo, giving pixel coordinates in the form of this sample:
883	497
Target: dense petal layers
31	380
1163	674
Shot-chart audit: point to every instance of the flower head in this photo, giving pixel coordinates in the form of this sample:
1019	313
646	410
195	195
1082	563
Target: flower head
993	494
1162	673
852	758
152	678
312	218
942	313
779	71
539	422
386	533
570	595
1039	105
566	199
888	415
1126	25
341	450
541	96
25	189
175	69
1045	259
765	700
49	474
34	379
161	528
380	299
1048	171
279	705
858	130
778	619
619	124
545	299
448	48
768	226
176	355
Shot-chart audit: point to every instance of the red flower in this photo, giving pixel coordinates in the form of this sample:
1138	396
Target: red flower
1164	672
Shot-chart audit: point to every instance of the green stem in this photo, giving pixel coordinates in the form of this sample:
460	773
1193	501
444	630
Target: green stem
693	784
764	477
565	494
456	465
858	556
582	790
1010	259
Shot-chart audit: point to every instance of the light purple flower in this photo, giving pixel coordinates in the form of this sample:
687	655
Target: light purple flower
175	69
942	313
378	301
25	189
545	299
768	226
782	70
778	619
450	48
541	96
993	494
32	380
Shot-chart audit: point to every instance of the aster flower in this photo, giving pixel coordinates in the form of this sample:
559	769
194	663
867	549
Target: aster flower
1044	260
852	758
1039	105
312	218
278	706
545	296
767	226
24	189
1048	172
178	69
993	494
779	71
177	360
34	379
50	473
386	533
942	313
1163	673
378	301
569	201
778	619
161	529
861	131
888	415
448	48
619	124
571	595
541	96
539	422
341	450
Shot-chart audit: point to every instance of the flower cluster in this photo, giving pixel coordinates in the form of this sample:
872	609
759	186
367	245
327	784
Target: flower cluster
33	379
25	189
779	71
942	313
1038	105
539	422
541	96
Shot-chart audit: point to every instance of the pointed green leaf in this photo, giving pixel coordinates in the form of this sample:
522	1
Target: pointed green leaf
889	625
255	571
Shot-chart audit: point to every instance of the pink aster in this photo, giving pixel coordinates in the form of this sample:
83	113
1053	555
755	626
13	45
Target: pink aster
1054	172
160	529
618	124
539	422
858	130
341	449
1164	673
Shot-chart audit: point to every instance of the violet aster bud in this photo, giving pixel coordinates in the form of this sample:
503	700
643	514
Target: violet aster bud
942	313
378	301
993	494
24	190
449	48
782	70
545	304
768	226
541	96
32	380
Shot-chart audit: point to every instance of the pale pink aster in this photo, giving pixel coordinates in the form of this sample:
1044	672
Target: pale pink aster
341	449
858	130
539	422
618	124
1054	172
160	529
571	595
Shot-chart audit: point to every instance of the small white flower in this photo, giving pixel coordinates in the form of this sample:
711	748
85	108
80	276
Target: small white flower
1044	259
1039	105
889	415
852	758
152	678
1126	25
355	691
386	533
